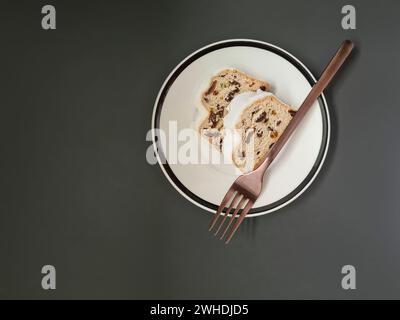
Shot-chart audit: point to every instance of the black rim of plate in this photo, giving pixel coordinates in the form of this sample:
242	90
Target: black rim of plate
254	44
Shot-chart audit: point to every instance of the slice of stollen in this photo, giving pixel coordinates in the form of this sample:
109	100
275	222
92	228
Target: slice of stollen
260	126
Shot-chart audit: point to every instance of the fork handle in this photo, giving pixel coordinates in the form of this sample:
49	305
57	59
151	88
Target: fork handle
326	77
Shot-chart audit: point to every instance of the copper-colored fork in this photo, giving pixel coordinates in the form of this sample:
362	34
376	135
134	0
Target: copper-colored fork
247	188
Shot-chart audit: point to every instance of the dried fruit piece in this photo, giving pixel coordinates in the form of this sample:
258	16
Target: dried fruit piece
213	119
212	87
234	83
274	134
261	117
231	94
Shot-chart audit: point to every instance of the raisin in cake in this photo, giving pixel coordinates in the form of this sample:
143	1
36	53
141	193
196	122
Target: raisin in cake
221	91
260	126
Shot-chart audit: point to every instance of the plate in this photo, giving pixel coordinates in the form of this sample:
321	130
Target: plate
178	107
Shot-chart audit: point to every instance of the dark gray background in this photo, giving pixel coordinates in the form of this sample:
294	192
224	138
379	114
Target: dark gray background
77	192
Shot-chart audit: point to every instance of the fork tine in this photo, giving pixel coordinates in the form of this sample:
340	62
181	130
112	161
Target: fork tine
233	216
233	204
246	209
227	197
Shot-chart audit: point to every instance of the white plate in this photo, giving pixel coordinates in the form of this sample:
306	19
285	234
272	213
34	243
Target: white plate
179	100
